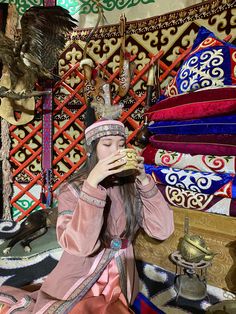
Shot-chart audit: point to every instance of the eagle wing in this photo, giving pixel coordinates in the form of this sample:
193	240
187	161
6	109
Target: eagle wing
43	35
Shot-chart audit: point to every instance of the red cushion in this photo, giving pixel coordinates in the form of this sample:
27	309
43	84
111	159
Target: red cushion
202	103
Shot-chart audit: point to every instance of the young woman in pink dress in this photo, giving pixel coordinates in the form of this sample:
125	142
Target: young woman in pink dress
100	213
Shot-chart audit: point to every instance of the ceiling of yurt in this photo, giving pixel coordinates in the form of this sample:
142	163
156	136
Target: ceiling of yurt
86	10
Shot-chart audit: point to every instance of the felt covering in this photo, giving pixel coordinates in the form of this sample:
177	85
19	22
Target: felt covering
202	103
198	138
198	201
209	125
222	184
210	163
195	148
211	62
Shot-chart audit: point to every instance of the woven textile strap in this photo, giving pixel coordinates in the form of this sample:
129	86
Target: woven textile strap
47	148
47	138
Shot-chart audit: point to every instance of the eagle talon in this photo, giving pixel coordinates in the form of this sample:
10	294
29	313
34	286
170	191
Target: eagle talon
22	93
9	92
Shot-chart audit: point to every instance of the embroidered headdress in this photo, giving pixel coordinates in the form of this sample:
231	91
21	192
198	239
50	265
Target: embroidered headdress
103	128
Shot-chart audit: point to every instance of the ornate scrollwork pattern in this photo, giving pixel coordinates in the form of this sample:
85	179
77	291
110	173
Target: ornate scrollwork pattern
187	199
198	71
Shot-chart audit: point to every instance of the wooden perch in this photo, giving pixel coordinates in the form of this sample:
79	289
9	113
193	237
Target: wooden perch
5	92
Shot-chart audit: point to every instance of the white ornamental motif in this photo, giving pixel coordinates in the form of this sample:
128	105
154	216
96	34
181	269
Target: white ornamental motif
202	71
184	179
187	199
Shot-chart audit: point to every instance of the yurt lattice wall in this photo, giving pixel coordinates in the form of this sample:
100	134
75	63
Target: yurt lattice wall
146	42
68	125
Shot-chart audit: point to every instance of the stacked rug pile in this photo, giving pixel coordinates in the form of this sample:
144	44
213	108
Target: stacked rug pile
192	150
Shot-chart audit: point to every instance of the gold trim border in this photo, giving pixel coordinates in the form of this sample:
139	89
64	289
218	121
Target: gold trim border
175	18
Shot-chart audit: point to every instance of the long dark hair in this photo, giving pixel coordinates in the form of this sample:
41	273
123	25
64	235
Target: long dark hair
128	192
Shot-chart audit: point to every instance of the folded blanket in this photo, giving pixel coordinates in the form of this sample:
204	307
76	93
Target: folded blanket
199	138
220	184
209	163
198	201
212	125
195	148
201	103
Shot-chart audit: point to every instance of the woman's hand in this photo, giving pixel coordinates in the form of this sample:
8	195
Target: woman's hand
106	167
142	176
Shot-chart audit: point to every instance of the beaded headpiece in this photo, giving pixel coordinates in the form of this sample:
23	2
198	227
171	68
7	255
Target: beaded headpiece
103	128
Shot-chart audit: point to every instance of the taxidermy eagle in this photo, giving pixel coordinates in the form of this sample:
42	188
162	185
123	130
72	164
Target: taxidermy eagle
36	53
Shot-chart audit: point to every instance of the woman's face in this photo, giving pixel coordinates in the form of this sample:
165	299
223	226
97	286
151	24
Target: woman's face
108	145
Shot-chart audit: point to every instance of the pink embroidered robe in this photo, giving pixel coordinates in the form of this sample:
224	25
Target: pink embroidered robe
78	228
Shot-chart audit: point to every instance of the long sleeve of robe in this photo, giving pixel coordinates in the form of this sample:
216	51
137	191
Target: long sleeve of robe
79	226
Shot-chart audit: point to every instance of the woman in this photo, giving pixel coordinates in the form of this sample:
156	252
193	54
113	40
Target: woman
99	214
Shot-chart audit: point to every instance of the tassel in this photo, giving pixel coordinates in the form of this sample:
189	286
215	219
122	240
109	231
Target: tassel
43	197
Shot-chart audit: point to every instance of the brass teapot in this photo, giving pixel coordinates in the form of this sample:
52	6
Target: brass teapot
193	249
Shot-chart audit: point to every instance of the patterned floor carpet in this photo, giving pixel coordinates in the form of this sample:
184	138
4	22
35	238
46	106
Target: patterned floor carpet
156	284
20	268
